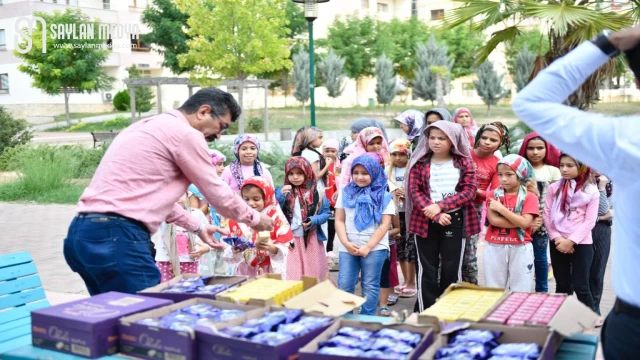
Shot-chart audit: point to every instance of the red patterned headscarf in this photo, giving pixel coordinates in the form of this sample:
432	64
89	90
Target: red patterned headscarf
303	193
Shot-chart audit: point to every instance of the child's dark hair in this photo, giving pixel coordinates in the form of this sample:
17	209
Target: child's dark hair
584	179
249	187
501	128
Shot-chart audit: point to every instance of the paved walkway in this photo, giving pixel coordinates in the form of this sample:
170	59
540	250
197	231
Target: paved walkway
89	120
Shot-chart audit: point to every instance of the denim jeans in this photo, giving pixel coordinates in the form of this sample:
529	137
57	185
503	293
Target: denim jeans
541	263
371	267
110	254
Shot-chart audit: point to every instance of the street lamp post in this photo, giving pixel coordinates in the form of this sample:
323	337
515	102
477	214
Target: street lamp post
311	13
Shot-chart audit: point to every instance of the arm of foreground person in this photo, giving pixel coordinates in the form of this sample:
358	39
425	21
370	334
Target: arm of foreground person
195	162
606	143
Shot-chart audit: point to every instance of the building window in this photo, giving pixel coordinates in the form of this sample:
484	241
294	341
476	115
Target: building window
3	41
437	14
414	7
138	45
106	4
4	83
383	8
364	4
138	3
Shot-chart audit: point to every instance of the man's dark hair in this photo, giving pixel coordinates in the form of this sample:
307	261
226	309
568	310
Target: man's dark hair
633	58
220	101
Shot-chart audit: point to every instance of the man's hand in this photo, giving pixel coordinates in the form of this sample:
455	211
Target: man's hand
626	39
207	236
265	224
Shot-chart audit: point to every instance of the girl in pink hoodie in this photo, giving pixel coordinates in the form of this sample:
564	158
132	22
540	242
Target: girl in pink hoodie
570	212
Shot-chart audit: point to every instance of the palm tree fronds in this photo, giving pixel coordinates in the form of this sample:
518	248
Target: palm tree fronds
507	34
489	10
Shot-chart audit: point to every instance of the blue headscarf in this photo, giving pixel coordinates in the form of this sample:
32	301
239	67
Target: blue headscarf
369	202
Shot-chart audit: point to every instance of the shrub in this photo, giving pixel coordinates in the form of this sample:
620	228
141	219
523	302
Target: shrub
13	132
122	101
255	125
78	161
77	127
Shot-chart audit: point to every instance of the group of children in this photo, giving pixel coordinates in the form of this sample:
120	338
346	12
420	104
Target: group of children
460	186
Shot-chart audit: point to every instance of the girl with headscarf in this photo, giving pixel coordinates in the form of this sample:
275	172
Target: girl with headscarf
306	209
247	163
305	143
570	213
400	150
211	263
267	256
511	211
463	116
363	216
370	139
544	158
411	123
440	212
436	114
362	124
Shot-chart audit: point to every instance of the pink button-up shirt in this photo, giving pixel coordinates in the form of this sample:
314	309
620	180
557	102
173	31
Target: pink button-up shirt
150	165
586	216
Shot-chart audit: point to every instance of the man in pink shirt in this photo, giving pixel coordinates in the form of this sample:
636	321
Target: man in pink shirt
136	186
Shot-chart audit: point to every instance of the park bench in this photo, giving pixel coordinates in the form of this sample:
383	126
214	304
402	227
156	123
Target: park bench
103	137
20	292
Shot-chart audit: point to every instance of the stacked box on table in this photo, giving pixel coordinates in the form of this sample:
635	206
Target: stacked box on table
87	327
546	339
296	288
157	291
322	300
150	342
465	302
309	352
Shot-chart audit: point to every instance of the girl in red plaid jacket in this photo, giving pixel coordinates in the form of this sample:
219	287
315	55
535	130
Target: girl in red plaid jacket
440	212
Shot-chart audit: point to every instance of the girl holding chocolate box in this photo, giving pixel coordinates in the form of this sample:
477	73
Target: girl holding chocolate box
570	213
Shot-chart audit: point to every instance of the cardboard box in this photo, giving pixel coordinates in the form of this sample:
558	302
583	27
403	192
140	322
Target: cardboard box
147	342
545	338
156	291
87	327
308	352
308	283
463	285
325	299
211	345
572	317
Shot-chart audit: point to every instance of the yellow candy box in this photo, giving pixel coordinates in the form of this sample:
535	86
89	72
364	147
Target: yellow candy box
463	301
267	290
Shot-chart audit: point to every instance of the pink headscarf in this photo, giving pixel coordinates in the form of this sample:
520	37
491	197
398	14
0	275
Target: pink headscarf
331	144
358	148
473	127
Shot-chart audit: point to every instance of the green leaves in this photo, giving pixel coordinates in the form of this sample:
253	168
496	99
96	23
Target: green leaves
354	39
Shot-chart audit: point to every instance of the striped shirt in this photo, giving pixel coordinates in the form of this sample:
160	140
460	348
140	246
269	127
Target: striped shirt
443	181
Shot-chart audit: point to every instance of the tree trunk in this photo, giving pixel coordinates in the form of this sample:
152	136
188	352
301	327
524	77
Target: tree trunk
384	107
440	92
488	109
241	102
357	92
66	105
303	112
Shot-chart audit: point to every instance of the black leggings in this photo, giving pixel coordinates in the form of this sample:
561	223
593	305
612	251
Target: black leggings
572	272
331	229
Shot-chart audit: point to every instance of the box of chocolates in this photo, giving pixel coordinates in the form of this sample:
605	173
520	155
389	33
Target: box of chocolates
271	333
563	313
482	341
267	290
463	301
350	339
189	286
87	327
169	332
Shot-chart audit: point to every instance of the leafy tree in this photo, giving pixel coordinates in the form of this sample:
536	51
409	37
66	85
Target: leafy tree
569	24
398	40
13	132
536	42
523	67
234	39
332	70
122	101
386	82
167	23
51	71
353	39
462	43
489	85
430	54
143	94
301	77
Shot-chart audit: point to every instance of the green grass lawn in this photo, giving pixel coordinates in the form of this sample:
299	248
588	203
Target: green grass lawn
15	191
341	118
76	116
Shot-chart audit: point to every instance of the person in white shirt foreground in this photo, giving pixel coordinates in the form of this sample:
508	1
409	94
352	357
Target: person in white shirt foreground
609	144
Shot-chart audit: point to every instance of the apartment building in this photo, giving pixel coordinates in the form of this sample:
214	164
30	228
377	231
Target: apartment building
16	92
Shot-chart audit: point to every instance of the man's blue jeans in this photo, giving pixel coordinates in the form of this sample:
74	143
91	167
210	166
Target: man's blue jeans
110	254
541	262
371	267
